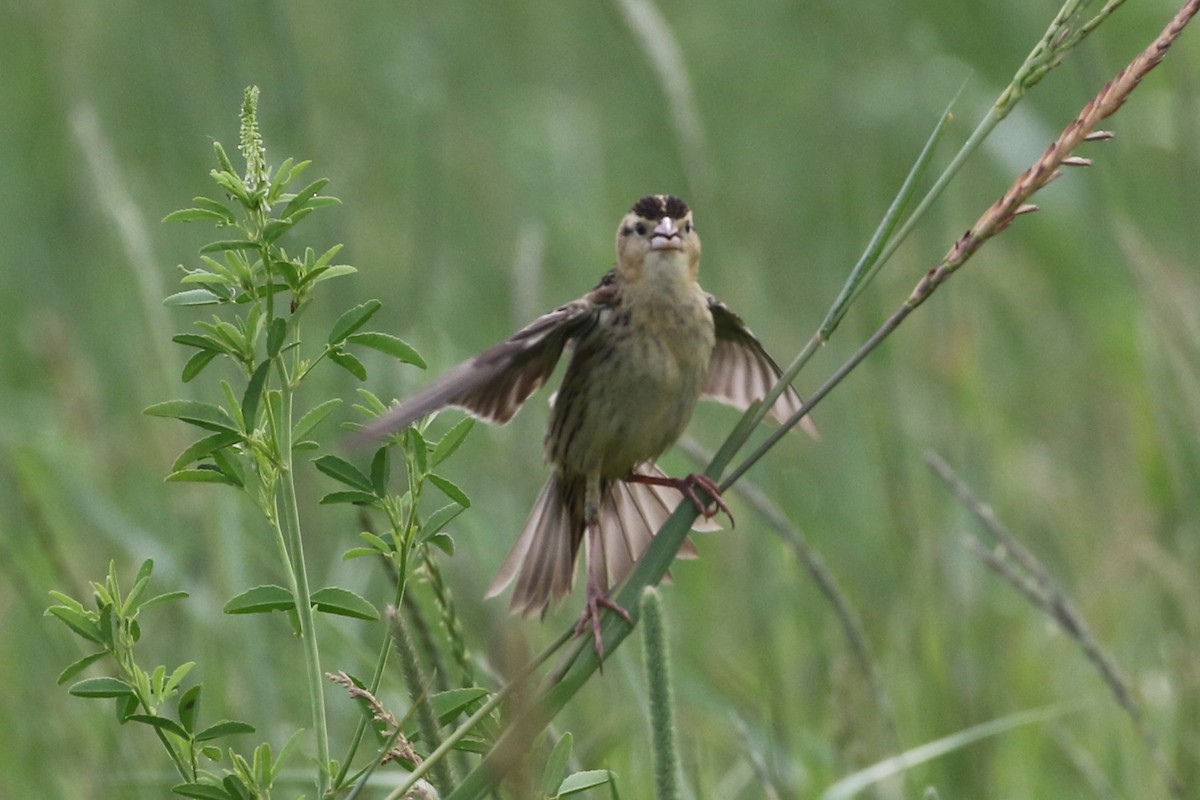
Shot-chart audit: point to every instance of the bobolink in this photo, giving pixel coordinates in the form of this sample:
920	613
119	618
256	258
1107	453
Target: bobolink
647	343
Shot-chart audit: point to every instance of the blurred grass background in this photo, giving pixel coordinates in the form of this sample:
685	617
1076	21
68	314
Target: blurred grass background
484	153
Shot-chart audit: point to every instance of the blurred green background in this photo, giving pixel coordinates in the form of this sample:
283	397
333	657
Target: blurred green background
484	153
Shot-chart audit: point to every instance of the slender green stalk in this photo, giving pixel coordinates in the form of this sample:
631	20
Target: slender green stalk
658	683
298	577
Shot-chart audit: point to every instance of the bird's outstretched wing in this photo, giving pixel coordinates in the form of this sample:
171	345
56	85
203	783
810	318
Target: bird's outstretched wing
741	371
494	384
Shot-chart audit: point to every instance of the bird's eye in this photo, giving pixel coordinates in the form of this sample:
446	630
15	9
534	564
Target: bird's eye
687	228
641	229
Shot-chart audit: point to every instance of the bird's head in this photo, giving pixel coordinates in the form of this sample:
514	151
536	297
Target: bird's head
658	238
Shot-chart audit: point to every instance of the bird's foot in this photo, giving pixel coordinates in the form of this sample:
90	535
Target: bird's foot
687	486
597	600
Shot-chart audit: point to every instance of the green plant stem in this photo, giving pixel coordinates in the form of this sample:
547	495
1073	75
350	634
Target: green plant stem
289	516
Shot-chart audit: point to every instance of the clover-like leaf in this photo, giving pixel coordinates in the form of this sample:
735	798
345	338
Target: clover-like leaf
343	602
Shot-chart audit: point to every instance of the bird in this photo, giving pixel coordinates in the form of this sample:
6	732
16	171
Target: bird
645	344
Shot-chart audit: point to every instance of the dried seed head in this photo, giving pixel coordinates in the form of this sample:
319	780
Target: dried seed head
1076	161
1099	136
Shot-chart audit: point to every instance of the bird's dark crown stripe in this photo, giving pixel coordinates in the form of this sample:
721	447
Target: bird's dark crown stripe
657	206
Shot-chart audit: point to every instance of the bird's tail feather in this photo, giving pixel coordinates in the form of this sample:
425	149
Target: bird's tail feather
630	515
542	562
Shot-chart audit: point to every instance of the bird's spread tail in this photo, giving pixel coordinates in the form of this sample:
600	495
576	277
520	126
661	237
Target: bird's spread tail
543	559
542	562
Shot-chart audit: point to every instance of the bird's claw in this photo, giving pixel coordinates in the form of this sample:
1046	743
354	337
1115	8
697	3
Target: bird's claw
596	600
688	487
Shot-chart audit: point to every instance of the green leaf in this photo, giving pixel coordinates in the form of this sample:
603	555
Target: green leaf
130	606
79	666
357	498
325	273
303	196
449	704
451	441
224	728
254	390
195	215
260	600
438	520
192	297
203	447
216	207
343	602
313	417
556	765
189	708
443	542
79	622
194	412
276	228
236	787
378	542
471	744
125	706
450	490
231	183
201	791
196	364
200	341
163	598
276	334
202	474
162	723
177	677
232	244
326	258
348	363
418	450
352	320
223	159
343	471
386	343
380	469
287	172
101	687
229	466
359	552
582	781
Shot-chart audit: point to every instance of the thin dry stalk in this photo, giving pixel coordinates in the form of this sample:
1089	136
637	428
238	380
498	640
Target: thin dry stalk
1011	560
400	749
1001	214
1049	167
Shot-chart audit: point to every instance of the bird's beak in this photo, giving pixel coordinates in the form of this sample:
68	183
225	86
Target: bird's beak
666	236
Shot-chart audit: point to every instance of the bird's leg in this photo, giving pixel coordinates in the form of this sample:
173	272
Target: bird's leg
687	486
597	594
